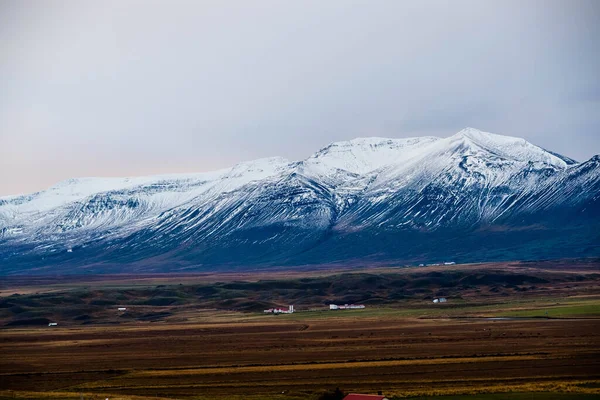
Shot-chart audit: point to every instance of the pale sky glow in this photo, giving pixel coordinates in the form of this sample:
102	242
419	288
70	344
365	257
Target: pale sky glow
123	88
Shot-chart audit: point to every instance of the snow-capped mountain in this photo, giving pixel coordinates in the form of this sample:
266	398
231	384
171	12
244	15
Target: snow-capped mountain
473	196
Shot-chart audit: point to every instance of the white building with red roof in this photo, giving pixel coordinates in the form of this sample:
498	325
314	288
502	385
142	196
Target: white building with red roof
277	310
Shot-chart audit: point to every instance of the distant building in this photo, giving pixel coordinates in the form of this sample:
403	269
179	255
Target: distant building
355	396
449	263
345	306
290	310
122	308
53	324
440	300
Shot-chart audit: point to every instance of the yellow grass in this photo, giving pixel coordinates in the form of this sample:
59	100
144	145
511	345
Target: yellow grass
325	366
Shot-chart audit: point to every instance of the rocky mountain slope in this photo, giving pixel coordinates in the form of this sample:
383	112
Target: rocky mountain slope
474	196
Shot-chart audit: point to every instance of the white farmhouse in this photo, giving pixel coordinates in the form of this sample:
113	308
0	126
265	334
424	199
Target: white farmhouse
346	306
278	310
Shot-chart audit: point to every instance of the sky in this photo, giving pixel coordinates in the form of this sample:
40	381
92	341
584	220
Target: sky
127	87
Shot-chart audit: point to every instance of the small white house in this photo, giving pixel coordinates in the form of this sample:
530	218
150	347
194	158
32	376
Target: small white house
346	306
440	300
53	324
276	310
122	308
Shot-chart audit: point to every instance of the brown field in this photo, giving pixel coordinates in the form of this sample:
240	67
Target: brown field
402	349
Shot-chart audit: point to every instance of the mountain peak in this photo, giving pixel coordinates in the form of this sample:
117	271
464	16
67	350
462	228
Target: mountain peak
482	136
362	155
594	161
372	143
261	163
471	132
254	170
474	141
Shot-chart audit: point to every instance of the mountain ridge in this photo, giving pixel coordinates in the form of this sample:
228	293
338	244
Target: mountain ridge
422	192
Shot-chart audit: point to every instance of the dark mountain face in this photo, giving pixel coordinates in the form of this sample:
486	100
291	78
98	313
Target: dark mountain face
471	197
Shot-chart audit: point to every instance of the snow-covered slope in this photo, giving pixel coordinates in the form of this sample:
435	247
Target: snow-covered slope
272	211
109	202
470	177
363	155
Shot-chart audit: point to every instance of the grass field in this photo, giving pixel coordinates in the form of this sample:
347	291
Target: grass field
579	309
492	340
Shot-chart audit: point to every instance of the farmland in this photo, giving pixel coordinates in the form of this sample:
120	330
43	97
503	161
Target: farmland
519	330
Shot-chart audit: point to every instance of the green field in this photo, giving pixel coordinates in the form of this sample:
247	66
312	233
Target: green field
585	309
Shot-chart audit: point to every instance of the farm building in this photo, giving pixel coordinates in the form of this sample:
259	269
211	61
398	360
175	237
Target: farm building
122	309
53	324
449	263
355	396
440	300
345	306
290	310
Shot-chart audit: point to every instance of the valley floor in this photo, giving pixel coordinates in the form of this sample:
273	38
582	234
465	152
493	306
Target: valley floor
515	347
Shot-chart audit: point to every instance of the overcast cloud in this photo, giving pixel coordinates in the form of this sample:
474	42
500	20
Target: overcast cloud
119	88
